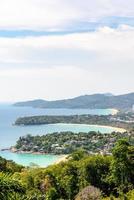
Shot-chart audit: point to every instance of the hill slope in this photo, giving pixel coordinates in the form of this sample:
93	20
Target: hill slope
94	101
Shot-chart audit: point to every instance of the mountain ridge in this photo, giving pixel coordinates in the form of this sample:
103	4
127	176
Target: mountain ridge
94	101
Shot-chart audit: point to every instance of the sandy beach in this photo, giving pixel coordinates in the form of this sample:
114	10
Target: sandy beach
62	158
121	130
114	111
117	129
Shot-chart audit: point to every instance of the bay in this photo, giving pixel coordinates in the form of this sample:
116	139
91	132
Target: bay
9	133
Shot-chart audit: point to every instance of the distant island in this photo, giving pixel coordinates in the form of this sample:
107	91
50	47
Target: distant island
95	101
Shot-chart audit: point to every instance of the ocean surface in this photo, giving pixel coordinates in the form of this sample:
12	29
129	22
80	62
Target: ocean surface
10	133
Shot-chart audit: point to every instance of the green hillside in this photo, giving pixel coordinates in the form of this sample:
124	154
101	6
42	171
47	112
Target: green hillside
96	101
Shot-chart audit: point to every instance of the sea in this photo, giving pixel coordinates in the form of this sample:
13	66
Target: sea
9	133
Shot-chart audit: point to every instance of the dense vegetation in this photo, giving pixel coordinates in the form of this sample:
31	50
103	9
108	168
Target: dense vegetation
82	177
9	166
77	119
121	102
67	142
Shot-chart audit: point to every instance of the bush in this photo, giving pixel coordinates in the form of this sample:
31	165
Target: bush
89	193
130	195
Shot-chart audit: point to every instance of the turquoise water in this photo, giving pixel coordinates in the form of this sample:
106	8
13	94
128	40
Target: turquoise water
9	133
30	159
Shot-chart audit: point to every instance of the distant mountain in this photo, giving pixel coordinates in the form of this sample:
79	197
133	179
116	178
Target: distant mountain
108	94
94	101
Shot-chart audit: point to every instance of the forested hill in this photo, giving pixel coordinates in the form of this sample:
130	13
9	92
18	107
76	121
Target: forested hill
94	101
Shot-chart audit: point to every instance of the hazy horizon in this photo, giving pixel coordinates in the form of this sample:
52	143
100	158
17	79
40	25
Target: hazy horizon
63	49
57	99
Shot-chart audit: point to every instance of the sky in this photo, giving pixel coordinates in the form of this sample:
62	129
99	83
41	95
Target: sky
65	48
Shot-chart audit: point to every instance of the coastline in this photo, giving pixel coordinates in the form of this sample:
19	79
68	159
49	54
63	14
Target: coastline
29	160
114	111
63	158
14	150
118	129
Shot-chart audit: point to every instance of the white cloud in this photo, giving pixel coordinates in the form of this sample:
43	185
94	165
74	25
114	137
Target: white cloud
49	50
36	14
61	66
54	67
58	14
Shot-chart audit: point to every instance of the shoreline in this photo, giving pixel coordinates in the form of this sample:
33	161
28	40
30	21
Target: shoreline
57	159
114	111
14	150
118	129
63	158
60	158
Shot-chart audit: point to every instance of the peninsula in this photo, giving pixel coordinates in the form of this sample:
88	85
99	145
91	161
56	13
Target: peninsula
68	142
121	120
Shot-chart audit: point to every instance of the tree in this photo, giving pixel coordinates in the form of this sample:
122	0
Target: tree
122	166
9	186
78	155
93	170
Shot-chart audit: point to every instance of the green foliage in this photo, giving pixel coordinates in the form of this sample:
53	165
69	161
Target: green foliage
78	155
51	194
122	166
9	186
130	195
82	174
9	166
93	170
2	164
68	142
